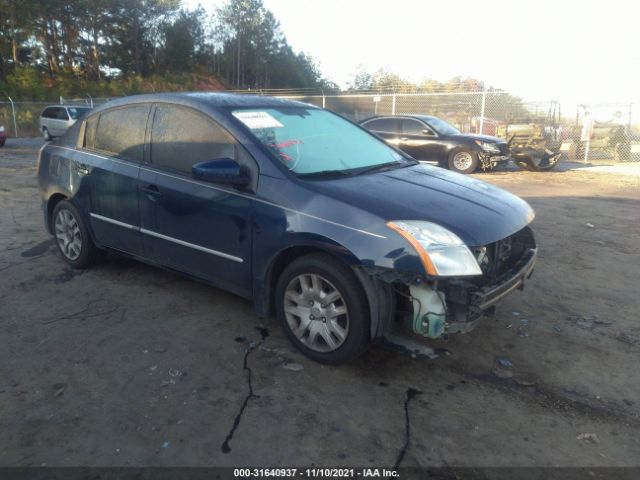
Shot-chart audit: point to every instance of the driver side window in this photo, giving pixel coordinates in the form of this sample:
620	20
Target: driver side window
413	127
181	137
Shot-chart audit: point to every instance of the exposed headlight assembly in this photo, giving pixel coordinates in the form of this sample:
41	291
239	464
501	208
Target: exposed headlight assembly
442	252
488	147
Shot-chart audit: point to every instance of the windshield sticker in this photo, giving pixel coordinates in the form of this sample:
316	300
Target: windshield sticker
257	120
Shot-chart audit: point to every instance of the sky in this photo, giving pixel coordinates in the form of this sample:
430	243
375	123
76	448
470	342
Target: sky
570	51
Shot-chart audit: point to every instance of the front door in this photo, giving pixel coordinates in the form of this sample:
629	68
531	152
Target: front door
196	227
419	141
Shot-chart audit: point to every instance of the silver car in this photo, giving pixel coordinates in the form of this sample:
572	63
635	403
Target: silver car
56	119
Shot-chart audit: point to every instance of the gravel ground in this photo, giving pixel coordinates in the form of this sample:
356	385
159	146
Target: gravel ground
126	364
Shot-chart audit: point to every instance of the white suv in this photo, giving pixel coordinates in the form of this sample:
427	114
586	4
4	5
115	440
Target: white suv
56	119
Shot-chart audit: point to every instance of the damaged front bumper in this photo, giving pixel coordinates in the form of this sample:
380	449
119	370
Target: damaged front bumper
491	160
407	310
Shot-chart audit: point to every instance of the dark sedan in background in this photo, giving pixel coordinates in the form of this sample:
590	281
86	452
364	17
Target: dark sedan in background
430	139
347	239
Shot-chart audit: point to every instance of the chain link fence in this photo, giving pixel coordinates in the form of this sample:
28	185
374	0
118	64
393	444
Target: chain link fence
614	136
22	119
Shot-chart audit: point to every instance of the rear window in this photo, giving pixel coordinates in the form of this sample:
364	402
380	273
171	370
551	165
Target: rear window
391	125
119	132
51	112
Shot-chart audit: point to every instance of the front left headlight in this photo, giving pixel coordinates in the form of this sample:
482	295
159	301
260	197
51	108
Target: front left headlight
442	252
488	147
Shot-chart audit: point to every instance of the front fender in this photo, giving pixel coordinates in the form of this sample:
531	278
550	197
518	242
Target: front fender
278	230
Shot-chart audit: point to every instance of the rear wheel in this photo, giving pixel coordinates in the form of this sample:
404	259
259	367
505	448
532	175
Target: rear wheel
323	309
46	134
463	161
72	236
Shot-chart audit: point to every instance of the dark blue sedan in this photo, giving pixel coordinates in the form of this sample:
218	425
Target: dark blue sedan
346	238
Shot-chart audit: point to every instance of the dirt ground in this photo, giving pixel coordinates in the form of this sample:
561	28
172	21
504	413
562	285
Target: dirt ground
126	364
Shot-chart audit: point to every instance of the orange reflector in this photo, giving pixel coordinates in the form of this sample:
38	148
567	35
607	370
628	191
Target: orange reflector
422	253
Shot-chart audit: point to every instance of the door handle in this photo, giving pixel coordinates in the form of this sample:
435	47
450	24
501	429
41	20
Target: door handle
152	191
404	139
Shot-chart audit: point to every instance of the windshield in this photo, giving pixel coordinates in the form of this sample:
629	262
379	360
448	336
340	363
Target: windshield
441	127
313	141
76	112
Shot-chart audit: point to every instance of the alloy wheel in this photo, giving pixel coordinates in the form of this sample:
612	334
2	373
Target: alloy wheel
68	234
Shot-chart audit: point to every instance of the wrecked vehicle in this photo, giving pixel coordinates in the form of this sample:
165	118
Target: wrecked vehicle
347	239
432	140
533	146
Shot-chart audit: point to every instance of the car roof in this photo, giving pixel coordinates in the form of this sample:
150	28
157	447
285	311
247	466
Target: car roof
207	99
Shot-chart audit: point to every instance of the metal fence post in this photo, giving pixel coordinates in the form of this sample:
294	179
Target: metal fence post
13	113
484	100
393	104
90	100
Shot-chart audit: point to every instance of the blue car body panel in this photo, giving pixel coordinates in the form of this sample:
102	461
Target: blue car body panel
231	237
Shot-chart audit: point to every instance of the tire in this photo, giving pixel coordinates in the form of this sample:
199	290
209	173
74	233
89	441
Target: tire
72	236
463	161
327	333
533	163
46	135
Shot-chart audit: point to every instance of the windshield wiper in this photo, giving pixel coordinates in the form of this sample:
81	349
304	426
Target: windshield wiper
352	172
383	167
325	173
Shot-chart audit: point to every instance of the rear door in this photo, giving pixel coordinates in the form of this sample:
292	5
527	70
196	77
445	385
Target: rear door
388	128
46	119
60	122
115	139
203	229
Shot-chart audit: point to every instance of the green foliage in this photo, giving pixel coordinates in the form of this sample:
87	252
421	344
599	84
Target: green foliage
110	47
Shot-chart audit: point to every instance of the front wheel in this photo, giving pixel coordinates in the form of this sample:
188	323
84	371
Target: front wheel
463	161
323	309
46	135
72	236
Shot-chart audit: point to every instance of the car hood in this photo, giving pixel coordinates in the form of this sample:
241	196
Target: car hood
479	213
484	138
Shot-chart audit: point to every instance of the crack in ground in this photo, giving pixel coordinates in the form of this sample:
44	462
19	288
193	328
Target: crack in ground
264	333
411	393
86	312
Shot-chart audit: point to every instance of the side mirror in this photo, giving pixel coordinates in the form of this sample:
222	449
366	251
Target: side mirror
221	170
428	133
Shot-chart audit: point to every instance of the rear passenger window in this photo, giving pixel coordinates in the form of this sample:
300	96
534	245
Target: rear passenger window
62	114
181	137
119	132
50	112
389	125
